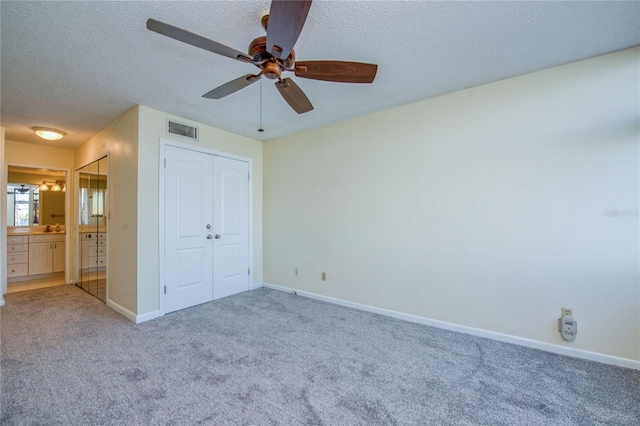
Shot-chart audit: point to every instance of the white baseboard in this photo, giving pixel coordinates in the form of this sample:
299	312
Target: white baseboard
121	310
130	315
148	316
548	347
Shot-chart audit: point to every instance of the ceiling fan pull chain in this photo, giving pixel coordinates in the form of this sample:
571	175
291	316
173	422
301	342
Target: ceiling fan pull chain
261	129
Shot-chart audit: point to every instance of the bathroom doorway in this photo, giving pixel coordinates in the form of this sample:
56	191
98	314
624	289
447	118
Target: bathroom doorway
36	227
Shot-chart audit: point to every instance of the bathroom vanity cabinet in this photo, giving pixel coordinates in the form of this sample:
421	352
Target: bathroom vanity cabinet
46	254
29	256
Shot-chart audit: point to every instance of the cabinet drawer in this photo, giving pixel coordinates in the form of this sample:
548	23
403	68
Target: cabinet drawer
97	252
97	261
19	257
11	239
45	238
17	270
94	243
17	247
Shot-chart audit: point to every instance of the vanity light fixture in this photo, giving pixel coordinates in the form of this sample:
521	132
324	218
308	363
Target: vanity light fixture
49	133
44	186
56	187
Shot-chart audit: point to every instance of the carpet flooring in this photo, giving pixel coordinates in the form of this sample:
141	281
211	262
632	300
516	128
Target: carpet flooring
266	357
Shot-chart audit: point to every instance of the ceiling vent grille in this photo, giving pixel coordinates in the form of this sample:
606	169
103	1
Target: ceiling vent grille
183	130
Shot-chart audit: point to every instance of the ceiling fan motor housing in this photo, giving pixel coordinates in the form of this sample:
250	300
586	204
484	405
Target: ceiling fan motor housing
274	67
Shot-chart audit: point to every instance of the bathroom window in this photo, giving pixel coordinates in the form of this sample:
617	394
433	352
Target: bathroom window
18	206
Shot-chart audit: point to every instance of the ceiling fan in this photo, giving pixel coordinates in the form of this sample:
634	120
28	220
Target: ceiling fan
274	55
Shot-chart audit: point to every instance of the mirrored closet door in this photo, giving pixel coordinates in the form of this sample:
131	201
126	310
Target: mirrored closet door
91	242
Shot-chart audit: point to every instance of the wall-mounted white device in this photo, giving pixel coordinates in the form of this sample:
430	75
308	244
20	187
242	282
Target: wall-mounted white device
567	326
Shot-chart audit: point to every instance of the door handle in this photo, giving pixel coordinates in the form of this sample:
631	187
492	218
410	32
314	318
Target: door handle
209	236
217	236
208	226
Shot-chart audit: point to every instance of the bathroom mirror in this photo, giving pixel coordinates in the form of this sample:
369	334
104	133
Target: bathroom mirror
35	197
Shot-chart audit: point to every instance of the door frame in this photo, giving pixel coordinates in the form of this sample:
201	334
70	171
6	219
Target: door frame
161	158
67	220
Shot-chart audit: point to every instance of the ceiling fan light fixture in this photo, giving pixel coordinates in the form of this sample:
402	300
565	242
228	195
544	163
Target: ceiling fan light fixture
48	133
22	189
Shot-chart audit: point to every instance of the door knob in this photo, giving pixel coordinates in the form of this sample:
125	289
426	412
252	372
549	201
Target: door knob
208	226
209	236
217	236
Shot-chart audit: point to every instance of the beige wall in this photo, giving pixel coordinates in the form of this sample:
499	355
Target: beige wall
488	208
152	129
27	154
120	141
51	207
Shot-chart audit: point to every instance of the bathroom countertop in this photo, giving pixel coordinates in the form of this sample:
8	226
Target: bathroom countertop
33	230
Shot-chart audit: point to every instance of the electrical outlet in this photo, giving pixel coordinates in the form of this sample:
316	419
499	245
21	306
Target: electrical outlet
566	312
296	272
324	276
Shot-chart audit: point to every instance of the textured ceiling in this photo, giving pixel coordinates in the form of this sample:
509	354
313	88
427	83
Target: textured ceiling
77	66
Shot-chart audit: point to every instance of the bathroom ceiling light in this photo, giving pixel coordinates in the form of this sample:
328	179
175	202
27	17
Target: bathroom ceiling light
44	186
49	133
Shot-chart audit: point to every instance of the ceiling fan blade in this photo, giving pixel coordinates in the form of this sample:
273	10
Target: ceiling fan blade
294	96
340	71
232	86
286	19
196	40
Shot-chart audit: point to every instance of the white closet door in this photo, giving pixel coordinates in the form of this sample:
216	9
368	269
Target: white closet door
231	226
188	209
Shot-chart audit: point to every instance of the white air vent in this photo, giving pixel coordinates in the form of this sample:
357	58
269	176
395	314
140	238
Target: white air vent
180	129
